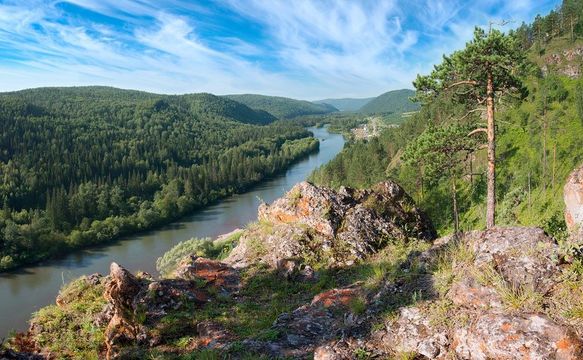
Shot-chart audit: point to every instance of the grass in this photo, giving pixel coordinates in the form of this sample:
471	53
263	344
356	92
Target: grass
68	330
295	196
522	298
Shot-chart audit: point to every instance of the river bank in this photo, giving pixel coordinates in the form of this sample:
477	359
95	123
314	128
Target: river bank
26	290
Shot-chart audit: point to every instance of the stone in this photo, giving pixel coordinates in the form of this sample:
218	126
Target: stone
468	292
120	292
573	197
413	332
524	257
305	328
214	273
504	336
212	335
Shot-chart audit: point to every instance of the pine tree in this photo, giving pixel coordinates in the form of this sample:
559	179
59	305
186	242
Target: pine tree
487	68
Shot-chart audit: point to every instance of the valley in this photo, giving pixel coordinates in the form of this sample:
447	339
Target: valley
419	194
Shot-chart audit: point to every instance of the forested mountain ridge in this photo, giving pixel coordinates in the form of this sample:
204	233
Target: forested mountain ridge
281	107
98	98
345	104
84	165
394	102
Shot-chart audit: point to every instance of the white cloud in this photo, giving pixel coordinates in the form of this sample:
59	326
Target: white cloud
315	49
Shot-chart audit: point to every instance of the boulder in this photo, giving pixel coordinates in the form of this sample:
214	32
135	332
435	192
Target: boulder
486	328
413	332
311	326
505	336
214	273
136	305
573	197
313	224
121	291
522	256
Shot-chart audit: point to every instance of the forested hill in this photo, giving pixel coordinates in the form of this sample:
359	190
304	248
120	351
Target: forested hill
538	140
346	104
281	107
394	102
84	165
99	98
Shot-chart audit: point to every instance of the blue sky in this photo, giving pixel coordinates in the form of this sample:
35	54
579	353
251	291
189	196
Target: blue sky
297	48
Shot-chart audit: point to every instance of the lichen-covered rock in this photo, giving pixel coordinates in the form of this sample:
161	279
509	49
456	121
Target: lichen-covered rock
121	291
316	224
212	335
136	305
311	325
523	257
498	266
504	336
468	292
214	273
412	332
573	196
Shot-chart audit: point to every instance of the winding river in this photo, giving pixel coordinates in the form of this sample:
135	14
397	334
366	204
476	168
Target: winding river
31	288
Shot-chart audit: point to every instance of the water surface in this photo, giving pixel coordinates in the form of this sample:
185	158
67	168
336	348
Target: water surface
31	288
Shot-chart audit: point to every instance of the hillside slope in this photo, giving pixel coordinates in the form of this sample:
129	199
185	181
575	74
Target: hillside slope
281	107
393	102
346	104
535	152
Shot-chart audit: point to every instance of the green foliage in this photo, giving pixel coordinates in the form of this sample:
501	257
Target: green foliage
393	102
579	99
565	21
439	151
282	108
86	165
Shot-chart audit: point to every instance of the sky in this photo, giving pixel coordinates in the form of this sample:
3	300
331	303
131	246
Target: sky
305	49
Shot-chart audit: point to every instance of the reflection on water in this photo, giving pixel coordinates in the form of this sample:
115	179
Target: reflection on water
26	290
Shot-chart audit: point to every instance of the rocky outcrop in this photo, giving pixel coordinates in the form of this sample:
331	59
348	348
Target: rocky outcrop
503	293
505	272
121	292
573	196
136	305
567	63
313	224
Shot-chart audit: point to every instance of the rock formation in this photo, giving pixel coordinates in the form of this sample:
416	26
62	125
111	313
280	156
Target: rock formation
495	304
313	224
573	196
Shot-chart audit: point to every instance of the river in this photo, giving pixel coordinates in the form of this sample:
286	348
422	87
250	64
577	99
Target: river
30	288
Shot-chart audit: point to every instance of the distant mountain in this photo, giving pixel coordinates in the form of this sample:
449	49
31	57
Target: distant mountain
394	102
57	99
281	107
346	104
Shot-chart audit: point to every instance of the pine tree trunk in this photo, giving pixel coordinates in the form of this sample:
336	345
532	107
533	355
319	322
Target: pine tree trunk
491	196
554	160
456	221
544	154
